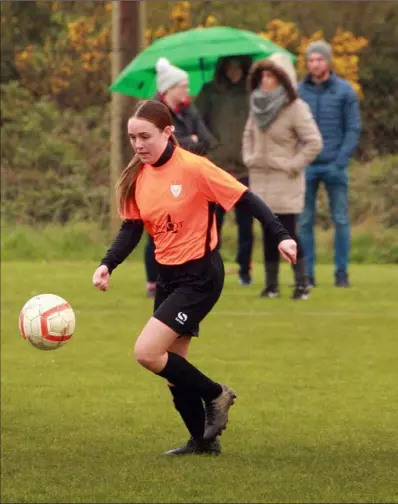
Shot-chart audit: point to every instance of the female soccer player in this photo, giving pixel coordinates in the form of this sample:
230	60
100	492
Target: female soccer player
173	193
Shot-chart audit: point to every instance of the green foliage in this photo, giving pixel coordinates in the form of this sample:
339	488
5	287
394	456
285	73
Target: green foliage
380	86
89	241
54	162
74	241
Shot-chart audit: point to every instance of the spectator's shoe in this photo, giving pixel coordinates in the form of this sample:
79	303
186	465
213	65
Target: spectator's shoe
245	279
270	292
311	281
217	413
194	447
301	292
341	279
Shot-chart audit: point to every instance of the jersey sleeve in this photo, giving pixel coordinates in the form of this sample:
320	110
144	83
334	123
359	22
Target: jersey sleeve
218	185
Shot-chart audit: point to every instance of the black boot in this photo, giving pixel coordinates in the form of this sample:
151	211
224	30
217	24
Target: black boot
301	289
271	280
196	447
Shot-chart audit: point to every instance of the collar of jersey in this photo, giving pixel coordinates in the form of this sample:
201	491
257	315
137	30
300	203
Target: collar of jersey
166	156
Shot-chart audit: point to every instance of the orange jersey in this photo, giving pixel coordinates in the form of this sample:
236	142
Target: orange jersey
175	203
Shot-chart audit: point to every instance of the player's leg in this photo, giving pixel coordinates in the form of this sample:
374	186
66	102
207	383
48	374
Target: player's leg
191	409
189	406
178	314
151	351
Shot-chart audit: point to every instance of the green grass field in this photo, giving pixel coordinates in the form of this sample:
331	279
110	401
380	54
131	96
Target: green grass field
316	418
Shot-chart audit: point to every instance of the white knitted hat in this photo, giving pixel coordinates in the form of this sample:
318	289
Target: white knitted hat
168	75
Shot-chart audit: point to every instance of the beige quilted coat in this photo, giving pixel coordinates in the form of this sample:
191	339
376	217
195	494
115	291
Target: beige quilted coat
277	157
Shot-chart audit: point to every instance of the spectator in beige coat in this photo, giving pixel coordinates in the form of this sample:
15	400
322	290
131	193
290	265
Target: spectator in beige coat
280	139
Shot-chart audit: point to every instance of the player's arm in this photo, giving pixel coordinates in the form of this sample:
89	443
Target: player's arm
222	188
125	242
254	205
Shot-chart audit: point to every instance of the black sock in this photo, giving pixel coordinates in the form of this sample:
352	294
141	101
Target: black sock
190	407
184	375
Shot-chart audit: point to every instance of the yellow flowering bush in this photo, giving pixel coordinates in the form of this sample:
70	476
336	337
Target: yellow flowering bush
180	19
283	33
74	68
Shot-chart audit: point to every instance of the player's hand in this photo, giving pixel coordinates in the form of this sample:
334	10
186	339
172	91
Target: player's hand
101	278
195	138
288	249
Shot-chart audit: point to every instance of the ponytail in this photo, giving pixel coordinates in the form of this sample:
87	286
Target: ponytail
125	186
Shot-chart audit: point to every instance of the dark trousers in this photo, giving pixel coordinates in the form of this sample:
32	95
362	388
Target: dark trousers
151	266
271	252
244	222
272	255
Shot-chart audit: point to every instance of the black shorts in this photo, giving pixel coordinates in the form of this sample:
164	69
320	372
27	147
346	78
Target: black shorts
186	293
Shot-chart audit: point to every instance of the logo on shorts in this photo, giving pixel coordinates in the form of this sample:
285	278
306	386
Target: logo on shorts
176	189
181	318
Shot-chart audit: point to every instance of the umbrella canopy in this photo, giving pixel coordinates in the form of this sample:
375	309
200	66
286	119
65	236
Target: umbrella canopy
195	51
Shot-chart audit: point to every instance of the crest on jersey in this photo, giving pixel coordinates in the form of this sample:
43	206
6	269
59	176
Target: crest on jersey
176	189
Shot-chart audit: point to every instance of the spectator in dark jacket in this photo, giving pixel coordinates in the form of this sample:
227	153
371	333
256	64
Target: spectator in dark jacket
191	133
334	105
224	106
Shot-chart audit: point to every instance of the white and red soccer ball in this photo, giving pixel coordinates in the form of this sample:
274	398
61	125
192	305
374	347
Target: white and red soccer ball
47	321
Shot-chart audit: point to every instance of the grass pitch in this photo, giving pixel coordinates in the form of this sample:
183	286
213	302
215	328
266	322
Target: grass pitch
316	419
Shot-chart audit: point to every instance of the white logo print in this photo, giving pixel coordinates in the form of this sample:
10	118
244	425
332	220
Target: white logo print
181	318
176	189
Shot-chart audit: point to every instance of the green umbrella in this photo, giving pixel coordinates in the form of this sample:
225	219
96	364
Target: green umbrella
195	51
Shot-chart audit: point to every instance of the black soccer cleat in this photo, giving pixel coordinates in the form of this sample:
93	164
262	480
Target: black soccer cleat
196	447
217	413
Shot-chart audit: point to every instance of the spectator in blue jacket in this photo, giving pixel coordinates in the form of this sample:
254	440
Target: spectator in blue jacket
335	107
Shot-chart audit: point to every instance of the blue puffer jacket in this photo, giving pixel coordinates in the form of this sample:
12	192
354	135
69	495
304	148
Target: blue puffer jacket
335	107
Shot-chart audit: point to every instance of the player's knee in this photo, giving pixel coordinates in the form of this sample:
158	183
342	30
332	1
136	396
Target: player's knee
143	356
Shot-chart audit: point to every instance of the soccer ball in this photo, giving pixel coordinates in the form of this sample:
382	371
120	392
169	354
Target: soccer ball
47	321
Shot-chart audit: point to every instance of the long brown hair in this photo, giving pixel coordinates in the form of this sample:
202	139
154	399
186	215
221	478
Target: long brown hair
158	114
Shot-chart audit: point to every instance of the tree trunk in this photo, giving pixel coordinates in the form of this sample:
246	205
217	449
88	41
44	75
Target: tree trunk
128	29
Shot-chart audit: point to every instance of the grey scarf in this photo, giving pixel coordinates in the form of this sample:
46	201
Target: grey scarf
265	106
